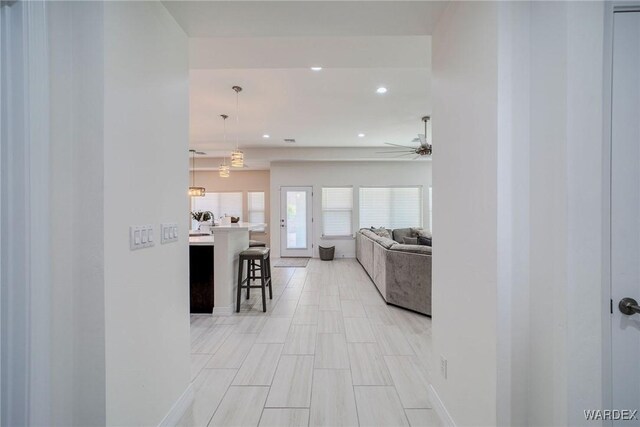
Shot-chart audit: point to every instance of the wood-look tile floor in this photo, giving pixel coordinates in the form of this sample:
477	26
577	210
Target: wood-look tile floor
328	352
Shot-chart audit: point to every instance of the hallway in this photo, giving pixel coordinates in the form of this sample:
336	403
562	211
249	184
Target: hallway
328	352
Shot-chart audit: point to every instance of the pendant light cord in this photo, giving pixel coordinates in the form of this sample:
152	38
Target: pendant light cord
237	120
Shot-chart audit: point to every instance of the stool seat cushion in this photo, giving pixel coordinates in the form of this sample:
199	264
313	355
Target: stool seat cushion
257	251
256	243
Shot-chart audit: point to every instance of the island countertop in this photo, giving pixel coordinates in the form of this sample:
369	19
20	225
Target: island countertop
249	226
208	240
201	240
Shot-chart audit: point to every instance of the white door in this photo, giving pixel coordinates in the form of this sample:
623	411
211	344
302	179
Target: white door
625	217
295	222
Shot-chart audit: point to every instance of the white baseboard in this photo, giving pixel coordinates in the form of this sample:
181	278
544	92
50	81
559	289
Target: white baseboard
222	311
178	409
439	407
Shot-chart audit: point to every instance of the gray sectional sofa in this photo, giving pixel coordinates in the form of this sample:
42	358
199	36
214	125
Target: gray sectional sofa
401	272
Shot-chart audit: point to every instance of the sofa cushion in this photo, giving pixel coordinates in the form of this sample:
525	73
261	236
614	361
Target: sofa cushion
367	232
416	249
382	232
400	233
415	231
385	242
419	231
410	241
425	241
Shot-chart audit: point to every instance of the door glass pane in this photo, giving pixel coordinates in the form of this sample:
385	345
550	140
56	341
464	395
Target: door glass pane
296	219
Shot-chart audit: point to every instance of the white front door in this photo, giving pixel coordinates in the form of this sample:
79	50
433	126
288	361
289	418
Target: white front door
625	218
296	232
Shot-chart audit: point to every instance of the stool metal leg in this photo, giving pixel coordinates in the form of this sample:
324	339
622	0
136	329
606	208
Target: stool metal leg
239	284
267	272
249	262
264	291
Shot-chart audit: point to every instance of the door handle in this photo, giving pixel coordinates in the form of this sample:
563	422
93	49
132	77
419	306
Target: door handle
628	306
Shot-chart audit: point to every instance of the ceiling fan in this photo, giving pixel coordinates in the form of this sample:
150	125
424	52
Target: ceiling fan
424	149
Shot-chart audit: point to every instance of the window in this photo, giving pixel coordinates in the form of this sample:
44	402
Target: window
255	203
391	207
220	204
337	212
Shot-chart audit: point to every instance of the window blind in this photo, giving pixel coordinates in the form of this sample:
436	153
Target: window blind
220	204
256	208
391	207
337	211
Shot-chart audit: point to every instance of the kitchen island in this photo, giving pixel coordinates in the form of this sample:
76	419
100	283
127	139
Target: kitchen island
227	241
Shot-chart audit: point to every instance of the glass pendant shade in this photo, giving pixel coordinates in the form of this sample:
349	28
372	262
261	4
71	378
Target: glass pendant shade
223	170
197	191
237	159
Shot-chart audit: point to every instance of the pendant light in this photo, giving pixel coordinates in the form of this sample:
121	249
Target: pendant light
223	169
193	190
237	156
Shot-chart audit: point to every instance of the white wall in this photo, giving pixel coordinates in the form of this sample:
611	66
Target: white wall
356	174
146	174
119	126
526	79
77	213
464	219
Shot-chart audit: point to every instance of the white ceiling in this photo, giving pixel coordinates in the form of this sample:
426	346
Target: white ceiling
305	18
267	48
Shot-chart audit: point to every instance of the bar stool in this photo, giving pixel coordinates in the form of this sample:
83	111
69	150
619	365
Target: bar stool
255	254
254	264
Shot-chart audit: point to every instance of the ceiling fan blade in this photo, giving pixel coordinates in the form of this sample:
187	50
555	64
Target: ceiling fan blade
423	139
417	157
398	145
402	153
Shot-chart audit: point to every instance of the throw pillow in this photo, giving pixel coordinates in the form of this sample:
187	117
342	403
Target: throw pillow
425	241
424	233
415	231
382	232
410	240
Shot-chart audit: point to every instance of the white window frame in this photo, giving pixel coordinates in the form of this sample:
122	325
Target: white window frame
420	204
263	210
323	210
431	208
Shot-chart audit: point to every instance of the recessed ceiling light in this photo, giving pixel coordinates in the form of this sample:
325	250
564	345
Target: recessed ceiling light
381	89
266	136
361	135
316	68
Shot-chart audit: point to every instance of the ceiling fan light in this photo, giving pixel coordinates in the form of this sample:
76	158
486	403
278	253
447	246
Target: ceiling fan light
237	159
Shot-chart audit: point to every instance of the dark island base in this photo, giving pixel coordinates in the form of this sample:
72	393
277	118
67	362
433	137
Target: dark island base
201	278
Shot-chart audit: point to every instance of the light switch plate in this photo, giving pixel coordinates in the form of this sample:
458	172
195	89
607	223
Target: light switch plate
141	236
168	232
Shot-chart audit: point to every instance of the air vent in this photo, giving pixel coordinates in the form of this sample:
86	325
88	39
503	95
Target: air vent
290	140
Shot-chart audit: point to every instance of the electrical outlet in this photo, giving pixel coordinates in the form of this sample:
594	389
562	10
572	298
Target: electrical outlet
443	367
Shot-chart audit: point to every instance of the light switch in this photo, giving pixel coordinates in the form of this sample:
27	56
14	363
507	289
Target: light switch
140	236
169	232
